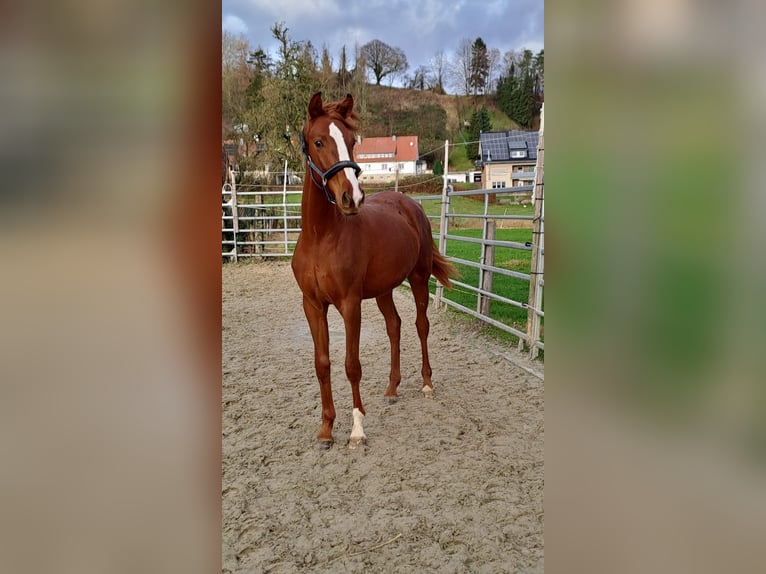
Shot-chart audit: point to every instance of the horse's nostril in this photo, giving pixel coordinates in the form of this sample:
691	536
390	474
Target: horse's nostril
346	199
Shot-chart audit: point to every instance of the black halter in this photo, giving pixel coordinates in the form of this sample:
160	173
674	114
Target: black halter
326	175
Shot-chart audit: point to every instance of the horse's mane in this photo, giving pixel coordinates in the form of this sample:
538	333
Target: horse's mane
351	121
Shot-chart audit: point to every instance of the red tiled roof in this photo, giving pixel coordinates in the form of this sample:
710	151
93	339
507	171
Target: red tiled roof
405	148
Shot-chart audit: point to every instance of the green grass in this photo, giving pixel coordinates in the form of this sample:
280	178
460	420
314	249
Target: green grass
458	160
509	287
467	205
513	259
501	122
272	198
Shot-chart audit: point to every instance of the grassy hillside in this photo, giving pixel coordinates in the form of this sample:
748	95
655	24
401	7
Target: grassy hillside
432	117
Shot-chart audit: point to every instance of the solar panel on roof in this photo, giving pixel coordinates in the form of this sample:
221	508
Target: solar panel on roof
497	150
497	146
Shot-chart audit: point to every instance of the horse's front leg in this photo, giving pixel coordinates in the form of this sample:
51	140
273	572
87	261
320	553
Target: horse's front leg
317	319
352	318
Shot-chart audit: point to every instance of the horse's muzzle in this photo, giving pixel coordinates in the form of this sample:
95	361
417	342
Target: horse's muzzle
348	205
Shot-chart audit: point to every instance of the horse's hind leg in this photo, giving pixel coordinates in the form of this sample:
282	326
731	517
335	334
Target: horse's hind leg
419	284
393	328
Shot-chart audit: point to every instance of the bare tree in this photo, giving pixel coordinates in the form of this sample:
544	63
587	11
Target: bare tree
438	75
493	58
510	63
419	81
384	60
234	51
461	67
236	76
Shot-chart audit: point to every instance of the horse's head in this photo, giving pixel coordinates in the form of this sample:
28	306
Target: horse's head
328	143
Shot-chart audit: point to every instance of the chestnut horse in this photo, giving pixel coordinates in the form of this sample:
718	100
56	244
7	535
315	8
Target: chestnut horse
350	249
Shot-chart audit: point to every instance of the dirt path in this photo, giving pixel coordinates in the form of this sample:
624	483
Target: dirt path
449	485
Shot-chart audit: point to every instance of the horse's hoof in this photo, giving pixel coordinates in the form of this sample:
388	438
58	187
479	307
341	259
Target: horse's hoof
324	444
428	392
392	400
357	442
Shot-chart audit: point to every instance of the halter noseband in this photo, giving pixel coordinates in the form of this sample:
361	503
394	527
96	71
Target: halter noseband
326	175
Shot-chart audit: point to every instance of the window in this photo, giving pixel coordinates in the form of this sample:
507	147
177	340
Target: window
518	153
384	166
374	155
498	184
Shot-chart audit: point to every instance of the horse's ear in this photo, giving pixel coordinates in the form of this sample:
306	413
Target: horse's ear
345	107
316	107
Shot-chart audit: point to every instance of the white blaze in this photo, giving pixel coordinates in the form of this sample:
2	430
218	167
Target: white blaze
343	155
356	430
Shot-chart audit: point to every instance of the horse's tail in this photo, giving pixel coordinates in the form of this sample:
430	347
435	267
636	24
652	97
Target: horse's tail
443	269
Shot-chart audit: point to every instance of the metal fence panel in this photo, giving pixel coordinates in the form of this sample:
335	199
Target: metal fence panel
264	221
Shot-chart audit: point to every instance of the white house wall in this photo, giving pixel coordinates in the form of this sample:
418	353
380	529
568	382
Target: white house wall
375	171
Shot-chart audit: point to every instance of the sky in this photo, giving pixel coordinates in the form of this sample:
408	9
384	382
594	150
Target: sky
420	28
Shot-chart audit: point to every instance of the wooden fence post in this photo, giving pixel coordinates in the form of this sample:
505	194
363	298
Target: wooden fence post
487	276
537	259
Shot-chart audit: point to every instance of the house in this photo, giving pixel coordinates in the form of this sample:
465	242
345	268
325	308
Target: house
508	158
381	158
231	151
464	177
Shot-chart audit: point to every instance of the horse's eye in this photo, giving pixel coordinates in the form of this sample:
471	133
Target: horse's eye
318	143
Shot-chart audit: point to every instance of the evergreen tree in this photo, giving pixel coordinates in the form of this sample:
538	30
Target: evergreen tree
480	123
326	61
344	76
506	91
328	79
359	81
479	66
539	87
539	62
517	90
526	100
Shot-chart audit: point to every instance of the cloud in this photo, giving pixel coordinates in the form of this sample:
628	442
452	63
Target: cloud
420	29
311	10
234	24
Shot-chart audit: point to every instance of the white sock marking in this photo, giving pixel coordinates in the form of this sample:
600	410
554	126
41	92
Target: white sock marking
356	430
343	155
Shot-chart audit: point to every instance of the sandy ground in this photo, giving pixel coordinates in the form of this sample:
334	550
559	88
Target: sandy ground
448	485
